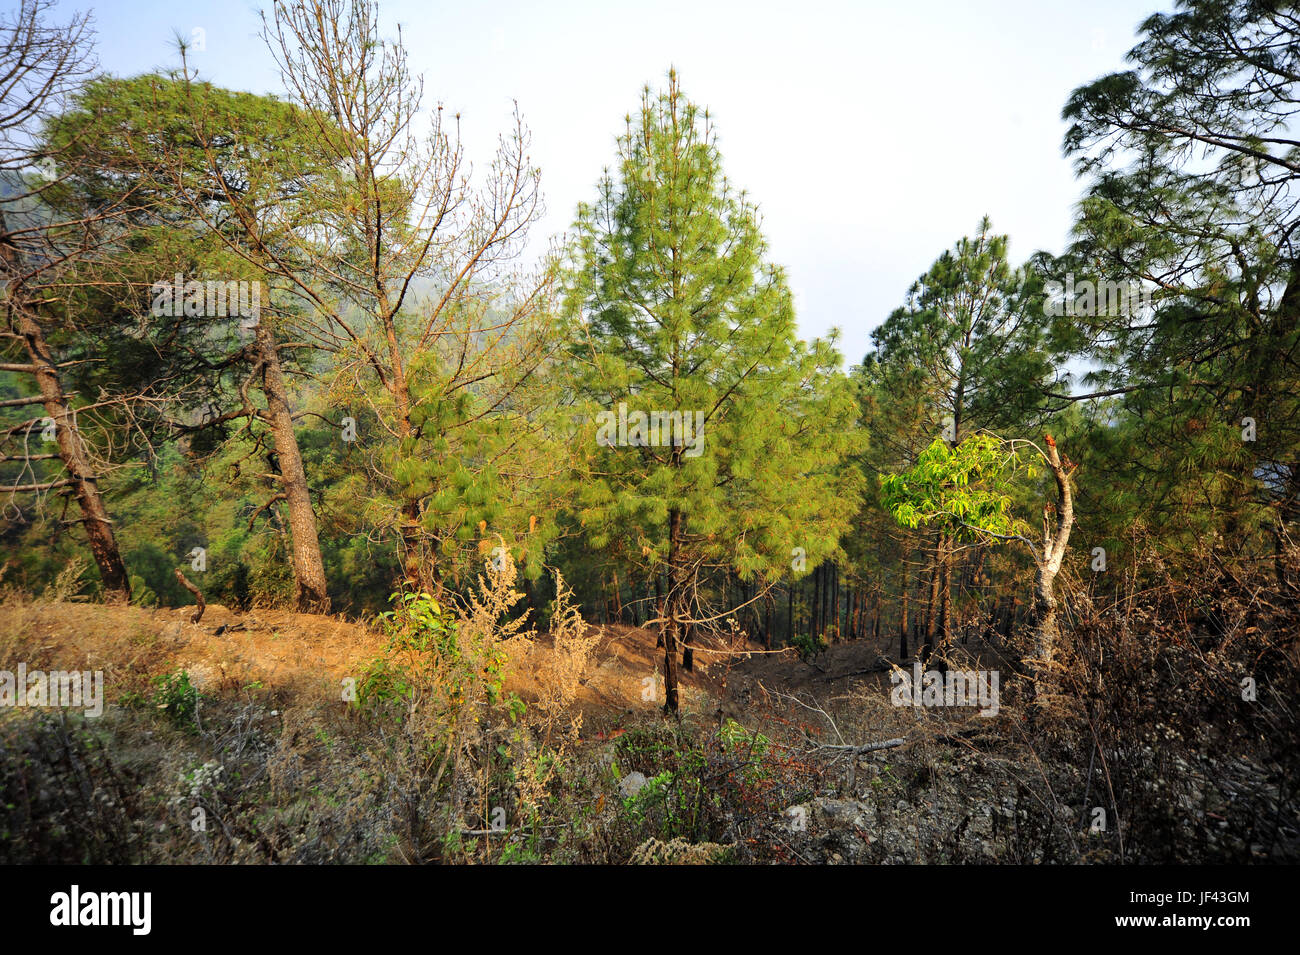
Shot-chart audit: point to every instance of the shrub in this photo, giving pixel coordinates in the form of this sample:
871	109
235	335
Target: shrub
808	645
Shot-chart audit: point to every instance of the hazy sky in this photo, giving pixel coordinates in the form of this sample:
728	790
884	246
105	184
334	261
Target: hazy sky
872	135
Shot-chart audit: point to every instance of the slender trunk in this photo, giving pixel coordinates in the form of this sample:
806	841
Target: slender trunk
902	621
308	568
814	628
875	617
789	623
670	631
945	596
76	459
824	614
835	602
618	599
932	604
417	571
1054	545
660	611
806	611
1046	631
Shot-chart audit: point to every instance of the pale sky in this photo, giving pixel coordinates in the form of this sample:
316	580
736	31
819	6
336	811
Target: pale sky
872	135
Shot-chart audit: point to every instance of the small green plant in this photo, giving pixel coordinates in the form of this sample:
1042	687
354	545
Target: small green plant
808	645
655	790
176	696
886	778
751	748
423	642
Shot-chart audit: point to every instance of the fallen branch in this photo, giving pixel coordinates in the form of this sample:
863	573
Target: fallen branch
853	751
865	747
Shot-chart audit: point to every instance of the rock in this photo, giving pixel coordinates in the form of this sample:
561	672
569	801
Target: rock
631	784
827	813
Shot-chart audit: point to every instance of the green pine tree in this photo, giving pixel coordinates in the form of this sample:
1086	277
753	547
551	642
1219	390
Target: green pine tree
714	434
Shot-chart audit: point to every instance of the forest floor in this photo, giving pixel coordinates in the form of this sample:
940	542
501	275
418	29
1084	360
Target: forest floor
300	658
960	787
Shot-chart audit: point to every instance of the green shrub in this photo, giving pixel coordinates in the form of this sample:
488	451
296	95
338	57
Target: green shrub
808	645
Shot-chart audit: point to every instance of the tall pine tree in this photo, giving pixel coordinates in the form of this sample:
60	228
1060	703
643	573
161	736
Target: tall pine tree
714	434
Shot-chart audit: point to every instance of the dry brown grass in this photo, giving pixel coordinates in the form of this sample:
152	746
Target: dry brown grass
300	655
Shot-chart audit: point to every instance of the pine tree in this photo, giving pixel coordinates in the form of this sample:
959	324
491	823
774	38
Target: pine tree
44	63
194	167
969	350
1194	163
713	433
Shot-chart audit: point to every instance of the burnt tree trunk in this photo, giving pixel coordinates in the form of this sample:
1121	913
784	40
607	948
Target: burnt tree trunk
875	617
932	604
902	620
945	592
671	631
789	623
660	611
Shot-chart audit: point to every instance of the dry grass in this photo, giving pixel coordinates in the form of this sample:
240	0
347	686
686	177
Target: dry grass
300	656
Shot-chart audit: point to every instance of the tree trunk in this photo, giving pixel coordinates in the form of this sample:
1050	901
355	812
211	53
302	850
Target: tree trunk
660	611
415	574
769	609
76	459
814	624
674	617
945	596
789	623
833	606
618	599
1054	545
932	602
308	568
902	622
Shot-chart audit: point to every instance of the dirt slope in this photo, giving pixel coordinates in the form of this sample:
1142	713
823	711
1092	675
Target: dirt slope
294	655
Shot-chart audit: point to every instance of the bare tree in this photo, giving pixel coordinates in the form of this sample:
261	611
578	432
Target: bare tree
405	211
407	271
